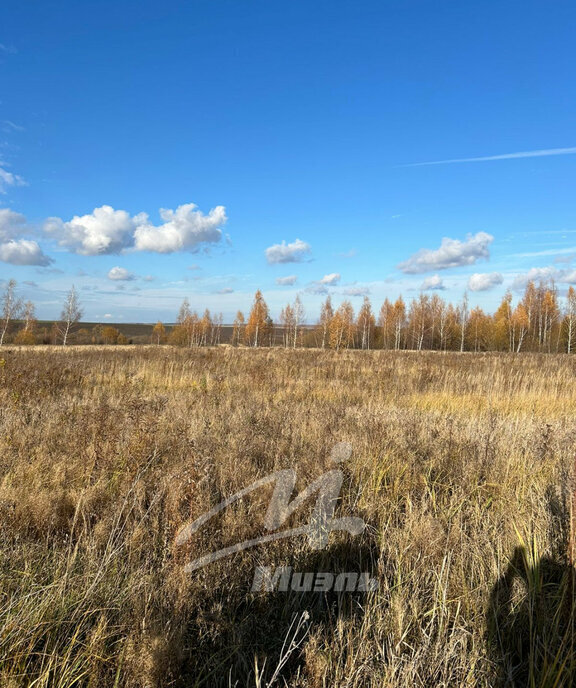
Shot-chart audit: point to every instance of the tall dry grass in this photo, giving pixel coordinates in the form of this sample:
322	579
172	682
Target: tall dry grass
461	468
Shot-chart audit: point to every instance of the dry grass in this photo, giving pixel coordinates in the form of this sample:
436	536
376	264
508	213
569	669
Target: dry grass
460	467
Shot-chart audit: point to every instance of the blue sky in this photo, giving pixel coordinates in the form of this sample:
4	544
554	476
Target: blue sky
295	127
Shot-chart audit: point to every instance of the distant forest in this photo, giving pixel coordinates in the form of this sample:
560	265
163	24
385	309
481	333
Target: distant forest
540	321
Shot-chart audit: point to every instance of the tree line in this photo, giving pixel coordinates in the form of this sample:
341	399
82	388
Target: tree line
14	312
540	321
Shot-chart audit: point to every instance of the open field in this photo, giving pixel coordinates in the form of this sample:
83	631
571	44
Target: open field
461	467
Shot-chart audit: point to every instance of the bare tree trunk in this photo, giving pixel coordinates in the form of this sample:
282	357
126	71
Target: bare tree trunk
65	334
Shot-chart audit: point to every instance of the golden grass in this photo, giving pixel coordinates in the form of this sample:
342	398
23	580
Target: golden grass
458	460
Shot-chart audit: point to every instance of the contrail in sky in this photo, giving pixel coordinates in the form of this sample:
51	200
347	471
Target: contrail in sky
506	156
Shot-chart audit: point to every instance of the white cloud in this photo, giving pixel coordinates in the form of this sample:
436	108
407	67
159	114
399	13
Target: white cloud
13	248
545	274
121	275
548	252
565	258
287	281
506	156
183	230
452	253
316	288
12	126
9	179
431	283
108	231
331	279
288	253
225	290
104	231
321	286
23	252
484	281
12	225
535	275
356	291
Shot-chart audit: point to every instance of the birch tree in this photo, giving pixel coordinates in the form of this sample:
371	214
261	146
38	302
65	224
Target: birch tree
570	319
463	313
70	316
326	315
258	326
385	321
26	334
287	323
11	308
366	324
299	314
29	316
238	328
399	321
159	333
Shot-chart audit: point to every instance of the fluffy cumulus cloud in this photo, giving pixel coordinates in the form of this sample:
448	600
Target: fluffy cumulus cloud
287	281
431	283
321	286
108	231
23	252
294	252
184	229
104	231
331	279
545	274
451	254
484	281
12	225
13	248
118	274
